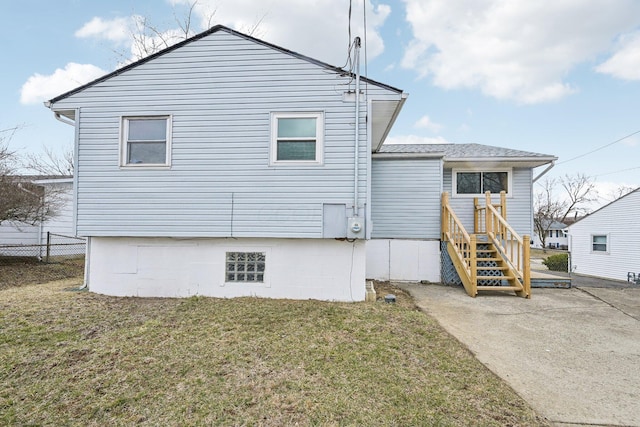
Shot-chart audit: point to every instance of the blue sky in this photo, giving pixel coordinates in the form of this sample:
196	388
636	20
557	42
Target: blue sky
559	77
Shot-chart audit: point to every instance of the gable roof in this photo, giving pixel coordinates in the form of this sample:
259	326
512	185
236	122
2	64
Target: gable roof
215	29
637	190
464	153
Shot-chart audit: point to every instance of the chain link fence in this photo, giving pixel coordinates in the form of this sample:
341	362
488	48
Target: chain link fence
58	247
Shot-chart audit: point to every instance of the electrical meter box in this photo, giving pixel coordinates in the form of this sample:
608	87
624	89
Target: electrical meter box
355	228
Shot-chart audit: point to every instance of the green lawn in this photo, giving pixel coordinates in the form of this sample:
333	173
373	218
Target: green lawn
76	358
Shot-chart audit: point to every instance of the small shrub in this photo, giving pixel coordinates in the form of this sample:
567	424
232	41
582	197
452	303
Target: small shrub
558	262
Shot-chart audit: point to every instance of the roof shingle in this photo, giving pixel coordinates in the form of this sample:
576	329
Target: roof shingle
462	151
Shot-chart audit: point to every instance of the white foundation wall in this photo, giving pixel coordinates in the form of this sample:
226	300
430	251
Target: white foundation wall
403	260
323	269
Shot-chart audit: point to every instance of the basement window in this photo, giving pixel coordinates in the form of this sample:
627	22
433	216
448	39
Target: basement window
245	267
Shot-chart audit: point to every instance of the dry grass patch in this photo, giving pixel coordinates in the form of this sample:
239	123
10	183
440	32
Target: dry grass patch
76	358
21	271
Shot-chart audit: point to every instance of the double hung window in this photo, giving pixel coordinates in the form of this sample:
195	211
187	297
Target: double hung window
599	243
297	138
146	141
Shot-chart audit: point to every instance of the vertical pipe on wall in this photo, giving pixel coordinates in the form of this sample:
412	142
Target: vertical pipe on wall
357	126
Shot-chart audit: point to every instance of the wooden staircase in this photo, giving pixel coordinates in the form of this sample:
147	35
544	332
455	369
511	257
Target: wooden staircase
494	257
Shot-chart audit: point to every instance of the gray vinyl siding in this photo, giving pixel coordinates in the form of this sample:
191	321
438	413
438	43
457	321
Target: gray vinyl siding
220	91
519	202
405	198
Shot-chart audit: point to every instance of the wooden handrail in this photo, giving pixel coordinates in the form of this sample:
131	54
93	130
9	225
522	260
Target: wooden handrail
490	220
513	248
463	246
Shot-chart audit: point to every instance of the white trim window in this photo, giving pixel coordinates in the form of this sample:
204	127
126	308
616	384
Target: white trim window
146	141
297	138
600	243
474	183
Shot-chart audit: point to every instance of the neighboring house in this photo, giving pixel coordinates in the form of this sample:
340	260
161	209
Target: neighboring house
606	243
18	233
556	236
226	166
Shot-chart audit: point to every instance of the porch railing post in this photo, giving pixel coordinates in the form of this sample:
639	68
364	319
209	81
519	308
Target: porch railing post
473	263
476	215
503	204
488	215
526	261
445	217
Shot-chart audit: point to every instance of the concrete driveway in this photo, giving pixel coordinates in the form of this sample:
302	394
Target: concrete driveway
573	354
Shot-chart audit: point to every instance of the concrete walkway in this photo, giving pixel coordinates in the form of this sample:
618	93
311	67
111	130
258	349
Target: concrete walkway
573	354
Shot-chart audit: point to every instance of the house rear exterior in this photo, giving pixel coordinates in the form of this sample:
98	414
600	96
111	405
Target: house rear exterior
408	182
226	166
606	243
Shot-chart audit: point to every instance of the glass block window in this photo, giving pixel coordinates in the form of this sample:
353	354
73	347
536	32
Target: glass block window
481	182
245	267
296	138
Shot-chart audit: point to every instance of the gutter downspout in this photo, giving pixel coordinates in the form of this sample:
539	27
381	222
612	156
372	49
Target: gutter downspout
553	163
63	120
357	126
58	116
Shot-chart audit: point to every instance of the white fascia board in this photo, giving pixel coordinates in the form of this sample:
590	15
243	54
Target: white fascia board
532	162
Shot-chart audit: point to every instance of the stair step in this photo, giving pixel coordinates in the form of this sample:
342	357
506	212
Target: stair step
489	259
499	267
495	277
499	288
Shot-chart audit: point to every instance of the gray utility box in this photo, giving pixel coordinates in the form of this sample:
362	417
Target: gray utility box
355	228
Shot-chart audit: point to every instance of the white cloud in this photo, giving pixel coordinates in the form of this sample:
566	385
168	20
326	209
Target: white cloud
414	139
318	29
510	50
117	30
39	88
426	123
625	63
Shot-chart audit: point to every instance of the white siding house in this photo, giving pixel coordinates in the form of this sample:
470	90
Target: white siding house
606	243
556	237
227	166
18	233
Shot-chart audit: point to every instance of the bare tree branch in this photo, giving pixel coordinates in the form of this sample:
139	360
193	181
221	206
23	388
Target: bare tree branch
578	191
616	193
51	163
148	38
21	200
